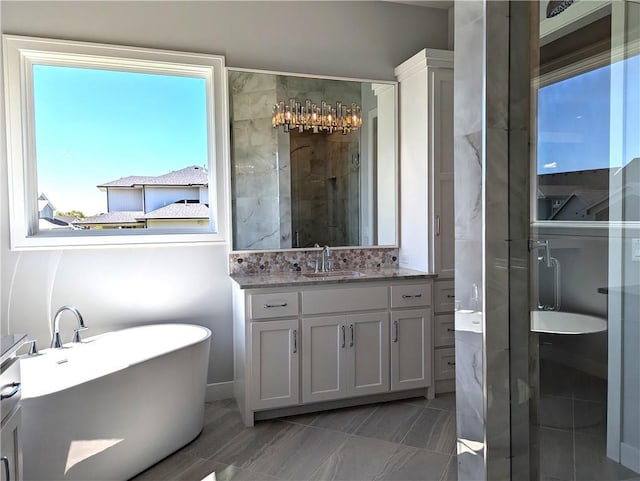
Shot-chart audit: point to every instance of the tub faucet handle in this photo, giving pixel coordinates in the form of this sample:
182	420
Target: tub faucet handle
33	348
76	333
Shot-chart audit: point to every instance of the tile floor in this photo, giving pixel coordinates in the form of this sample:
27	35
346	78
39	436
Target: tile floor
405	440
573	427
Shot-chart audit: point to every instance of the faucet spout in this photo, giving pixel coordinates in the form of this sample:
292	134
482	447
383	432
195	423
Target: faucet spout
326	252
56	341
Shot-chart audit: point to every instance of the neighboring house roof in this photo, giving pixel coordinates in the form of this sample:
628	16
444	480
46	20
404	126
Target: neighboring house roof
587	199
46	223
192	175
43	201
69	219
179	210
129	181
121	217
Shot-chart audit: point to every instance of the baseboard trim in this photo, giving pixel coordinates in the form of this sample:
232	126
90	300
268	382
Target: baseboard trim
630	457
218	391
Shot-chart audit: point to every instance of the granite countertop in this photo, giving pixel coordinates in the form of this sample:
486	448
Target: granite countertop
10	344
294	279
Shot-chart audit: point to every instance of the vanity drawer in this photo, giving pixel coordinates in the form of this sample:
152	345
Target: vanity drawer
277	304
444	293
444	327
10	386
411	295
444	363
346	299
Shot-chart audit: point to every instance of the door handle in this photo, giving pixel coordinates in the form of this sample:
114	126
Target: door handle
7	467
395	327
352	339
295	341
437	225
343	336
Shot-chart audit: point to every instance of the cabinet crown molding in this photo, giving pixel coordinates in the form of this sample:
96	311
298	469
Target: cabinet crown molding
428	57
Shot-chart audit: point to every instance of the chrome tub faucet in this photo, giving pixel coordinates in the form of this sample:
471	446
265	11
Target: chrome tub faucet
56	341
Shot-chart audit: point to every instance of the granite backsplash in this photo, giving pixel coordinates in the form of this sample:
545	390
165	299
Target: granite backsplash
299	260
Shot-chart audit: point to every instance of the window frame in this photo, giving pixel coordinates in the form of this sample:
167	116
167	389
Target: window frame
21	53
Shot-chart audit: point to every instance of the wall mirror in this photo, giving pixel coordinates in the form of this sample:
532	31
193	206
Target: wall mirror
327	174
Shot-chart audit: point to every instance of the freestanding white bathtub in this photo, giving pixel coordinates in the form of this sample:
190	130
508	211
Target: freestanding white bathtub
117	403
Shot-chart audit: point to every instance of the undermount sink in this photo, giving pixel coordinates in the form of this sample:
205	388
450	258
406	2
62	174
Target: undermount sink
334	274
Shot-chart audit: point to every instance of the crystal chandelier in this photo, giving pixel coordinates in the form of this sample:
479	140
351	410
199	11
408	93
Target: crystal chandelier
308	116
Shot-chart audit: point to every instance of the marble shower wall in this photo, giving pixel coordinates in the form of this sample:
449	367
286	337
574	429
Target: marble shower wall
255	169
490	153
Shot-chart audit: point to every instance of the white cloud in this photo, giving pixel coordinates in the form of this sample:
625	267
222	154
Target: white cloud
551	165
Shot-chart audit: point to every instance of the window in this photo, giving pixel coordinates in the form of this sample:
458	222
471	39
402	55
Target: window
114	145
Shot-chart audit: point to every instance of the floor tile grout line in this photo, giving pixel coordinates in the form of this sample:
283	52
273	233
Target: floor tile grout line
446	467
412	425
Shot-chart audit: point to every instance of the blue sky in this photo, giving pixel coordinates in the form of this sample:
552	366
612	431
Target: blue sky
574	119
94	126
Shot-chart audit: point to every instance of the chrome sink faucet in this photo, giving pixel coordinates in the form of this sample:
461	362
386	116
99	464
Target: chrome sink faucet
322	263
326	252
56	341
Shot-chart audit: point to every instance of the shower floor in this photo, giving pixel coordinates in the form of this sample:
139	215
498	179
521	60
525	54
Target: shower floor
573	427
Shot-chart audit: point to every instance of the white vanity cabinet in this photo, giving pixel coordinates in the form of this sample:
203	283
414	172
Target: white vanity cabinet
345	356
274	364
299	348
11	444
411	334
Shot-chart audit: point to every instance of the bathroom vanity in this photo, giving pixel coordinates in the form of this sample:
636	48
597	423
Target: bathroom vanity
10	430
308	342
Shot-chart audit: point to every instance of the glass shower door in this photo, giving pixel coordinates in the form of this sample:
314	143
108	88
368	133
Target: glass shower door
585	249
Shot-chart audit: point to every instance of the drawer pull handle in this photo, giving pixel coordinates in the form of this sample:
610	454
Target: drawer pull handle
352	334
269	306
449	363
295	341
396	327
411	296
7	467
343	336
16	388
450	296
450	329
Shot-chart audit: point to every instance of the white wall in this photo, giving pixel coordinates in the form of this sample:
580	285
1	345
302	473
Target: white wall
114	287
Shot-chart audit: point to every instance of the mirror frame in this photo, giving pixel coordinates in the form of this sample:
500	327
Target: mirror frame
396	169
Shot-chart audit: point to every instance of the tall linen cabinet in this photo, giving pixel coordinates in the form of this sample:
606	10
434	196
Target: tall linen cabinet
427	217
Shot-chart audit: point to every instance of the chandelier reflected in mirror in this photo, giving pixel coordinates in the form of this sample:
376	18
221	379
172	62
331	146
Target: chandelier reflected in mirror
318	119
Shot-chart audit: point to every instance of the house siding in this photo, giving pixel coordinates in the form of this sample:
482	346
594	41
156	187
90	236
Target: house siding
156	197
120	200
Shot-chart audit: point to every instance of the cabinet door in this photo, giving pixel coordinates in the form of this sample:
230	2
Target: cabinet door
274	364
11	448
324	348
442	113
411	352
368	353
